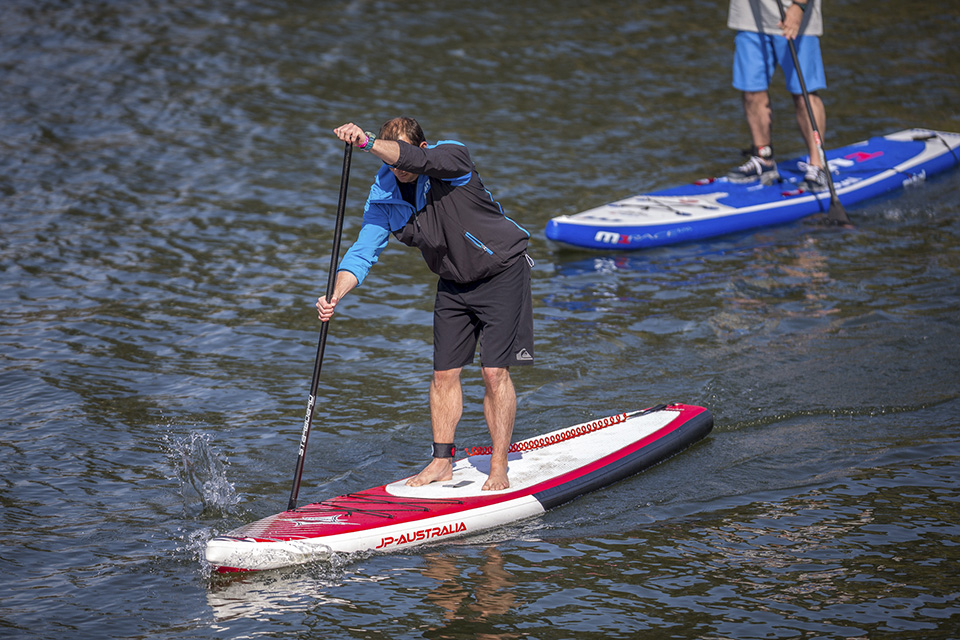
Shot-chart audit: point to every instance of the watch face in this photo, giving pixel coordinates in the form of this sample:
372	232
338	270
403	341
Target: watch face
765	152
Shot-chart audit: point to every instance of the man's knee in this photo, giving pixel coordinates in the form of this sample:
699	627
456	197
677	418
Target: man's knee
496	377
445	378
756	99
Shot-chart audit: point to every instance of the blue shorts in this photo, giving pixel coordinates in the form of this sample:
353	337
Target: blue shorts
757	56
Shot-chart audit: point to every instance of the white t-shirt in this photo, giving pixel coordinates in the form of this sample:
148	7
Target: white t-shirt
762	16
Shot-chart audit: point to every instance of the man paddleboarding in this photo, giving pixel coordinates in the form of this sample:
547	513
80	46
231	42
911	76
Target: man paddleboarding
762	44
431	197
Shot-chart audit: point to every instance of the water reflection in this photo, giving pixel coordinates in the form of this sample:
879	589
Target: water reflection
258	596
474	596
801	537
738	291
778	284
460	596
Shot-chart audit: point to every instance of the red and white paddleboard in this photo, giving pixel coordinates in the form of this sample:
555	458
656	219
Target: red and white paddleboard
544	472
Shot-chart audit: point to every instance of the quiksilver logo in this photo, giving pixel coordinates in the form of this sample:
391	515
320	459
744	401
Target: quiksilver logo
523	354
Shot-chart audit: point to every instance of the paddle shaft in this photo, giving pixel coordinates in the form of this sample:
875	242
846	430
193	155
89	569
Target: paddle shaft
836	213
324	329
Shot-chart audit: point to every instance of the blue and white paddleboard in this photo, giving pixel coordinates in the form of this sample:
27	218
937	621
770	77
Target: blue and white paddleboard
717	206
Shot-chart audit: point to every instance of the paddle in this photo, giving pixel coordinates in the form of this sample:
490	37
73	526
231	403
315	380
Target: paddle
836	214
324	328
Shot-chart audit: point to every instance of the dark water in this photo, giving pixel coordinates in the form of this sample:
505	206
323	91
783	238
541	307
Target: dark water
168	184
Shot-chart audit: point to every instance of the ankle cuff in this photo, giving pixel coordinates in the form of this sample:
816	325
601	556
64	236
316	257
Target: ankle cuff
441	450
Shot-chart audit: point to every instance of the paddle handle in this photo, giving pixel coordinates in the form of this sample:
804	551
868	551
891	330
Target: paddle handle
324	329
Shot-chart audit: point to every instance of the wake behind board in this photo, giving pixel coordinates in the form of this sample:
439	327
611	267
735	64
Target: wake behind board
544	471
717	206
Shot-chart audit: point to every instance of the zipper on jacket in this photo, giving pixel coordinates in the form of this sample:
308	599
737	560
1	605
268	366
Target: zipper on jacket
472	238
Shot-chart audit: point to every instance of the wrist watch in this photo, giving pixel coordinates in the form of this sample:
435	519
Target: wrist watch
368	145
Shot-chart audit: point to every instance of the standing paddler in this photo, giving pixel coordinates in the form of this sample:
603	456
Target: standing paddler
431	197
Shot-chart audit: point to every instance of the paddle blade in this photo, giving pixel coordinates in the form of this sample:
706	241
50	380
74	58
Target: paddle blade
837	215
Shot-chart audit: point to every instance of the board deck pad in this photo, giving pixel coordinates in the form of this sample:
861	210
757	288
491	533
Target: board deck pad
716	206
528	468
544	471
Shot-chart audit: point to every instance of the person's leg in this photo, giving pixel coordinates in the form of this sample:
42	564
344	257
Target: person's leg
753	68
803	121
811	65
505	307
756	107
500	410
446	407
753	65
760	164
455	333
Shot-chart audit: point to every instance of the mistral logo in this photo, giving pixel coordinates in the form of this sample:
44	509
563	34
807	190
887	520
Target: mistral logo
611	237
523	354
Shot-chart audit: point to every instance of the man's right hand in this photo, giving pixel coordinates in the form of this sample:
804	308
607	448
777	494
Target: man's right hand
325	308
790	25
345	283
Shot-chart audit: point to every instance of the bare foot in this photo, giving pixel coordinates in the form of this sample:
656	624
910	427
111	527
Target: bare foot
496	482
438	470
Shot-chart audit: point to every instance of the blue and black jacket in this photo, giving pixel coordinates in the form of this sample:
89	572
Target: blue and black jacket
460	229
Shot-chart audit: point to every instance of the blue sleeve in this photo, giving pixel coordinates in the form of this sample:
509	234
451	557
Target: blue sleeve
371	241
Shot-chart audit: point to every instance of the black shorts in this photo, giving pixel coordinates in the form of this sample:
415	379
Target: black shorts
496	312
